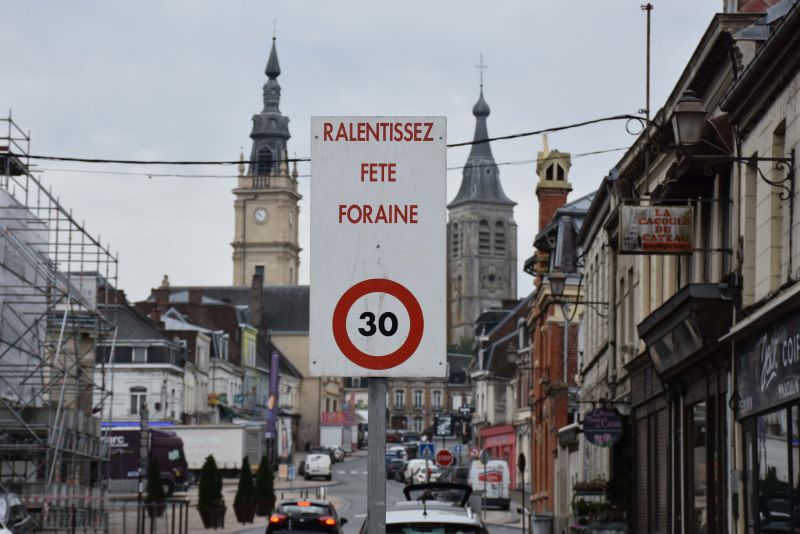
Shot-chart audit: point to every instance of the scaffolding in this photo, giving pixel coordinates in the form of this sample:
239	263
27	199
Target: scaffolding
54	278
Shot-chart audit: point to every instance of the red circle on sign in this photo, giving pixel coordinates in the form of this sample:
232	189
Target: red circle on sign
444	458
415	328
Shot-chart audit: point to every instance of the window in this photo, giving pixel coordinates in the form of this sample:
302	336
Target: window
484	238
139	355
499	238
399	398
260	271
559	173
138	399
418	424
549	172
417	398
437	398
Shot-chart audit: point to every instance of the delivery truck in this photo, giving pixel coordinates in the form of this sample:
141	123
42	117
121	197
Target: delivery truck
124	460
229	443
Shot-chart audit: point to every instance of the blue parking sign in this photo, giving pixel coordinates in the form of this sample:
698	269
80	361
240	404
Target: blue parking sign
457	448
426	451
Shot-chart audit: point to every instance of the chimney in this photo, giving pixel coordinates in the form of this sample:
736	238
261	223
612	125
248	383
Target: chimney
256	299
553	188
195	295
162	297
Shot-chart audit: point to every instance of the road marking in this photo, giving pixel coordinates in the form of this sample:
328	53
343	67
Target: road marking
341	472
363	472
359	516
353	472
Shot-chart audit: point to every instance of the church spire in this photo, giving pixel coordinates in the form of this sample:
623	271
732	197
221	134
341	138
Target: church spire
481	177
270	128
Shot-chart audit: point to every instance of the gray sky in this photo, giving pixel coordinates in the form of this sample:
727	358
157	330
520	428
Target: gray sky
181	79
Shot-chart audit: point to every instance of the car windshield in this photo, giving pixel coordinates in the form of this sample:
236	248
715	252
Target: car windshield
433	528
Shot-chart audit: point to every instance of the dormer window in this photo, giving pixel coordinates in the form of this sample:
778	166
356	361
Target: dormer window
559	173
549	173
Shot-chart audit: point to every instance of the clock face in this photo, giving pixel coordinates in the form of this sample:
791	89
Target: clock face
260	215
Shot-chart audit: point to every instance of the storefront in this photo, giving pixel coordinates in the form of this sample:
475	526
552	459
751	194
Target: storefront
768	395
678	397
500	441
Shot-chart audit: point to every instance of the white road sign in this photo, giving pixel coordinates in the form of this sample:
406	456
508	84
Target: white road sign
378	226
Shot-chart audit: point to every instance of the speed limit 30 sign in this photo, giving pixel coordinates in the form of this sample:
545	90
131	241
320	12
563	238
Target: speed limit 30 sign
378	246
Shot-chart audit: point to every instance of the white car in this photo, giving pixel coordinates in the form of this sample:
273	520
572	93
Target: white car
338	453
318	465
416	466
445	510
421	477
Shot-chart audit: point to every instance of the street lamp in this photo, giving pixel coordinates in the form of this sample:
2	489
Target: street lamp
557	281
688	120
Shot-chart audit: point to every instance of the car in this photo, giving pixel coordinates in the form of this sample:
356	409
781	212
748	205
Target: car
422	477
393	466
440	508
412	466
410	437
324	450
305	516
457	474
338	452
317	465
398	450
14	518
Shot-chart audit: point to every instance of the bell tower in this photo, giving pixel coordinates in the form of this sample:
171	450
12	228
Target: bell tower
266	205
481	236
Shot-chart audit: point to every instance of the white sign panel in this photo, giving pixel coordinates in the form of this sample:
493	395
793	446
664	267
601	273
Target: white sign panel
378	226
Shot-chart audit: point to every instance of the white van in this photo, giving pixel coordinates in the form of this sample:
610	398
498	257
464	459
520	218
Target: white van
494	479
318	465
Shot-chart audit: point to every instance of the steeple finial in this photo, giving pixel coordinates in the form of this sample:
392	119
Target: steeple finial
241	161
274	28
294	167
273	69
481	67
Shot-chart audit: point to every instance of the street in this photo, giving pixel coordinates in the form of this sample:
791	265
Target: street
350	492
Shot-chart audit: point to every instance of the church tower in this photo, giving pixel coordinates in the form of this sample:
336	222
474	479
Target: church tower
265	236
481	238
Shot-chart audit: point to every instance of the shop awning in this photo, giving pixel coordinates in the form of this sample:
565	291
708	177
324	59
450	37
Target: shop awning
686	327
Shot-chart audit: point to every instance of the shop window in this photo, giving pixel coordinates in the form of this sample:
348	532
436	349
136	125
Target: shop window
774	509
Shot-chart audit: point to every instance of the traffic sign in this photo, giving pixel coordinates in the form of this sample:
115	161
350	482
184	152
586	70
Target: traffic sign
444	458
426	451
457	448
443	425
378	245
474	452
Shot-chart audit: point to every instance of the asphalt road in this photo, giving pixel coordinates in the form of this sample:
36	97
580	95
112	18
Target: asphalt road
351	490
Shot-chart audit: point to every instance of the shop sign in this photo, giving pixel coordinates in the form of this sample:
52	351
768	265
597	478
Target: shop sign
602	428
768	366
655	229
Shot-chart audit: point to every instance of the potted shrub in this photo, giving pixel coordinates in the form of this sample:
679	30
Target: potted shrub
265	488
209	495
156	497
244	504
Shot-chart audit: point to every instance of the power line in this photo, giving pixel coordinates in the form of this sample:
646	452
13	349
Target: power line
292	160
232	176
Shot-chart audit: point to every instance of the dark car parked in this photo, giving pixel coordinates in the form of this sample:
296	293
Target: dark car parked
393	465
305	516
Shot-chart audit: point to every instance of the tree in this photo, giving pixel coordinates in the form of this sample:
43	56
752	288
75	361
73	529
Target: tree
209	491
265	487
244	504
155	486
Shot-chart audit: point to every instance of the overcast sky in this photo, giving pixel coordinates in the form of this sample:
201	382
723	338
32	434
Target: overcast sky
180	80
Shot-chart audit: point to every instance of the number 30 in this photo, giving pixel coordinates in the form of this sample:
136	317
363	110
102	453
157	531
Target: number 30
387	317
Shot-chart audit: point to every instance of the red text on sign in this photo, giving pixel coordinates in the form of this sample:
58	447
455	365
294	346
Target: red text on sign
380	214
379	131
379	172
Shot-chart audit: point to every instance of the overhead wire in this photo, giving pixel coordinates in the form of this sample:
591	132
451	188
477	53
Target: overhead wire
304	159
232	176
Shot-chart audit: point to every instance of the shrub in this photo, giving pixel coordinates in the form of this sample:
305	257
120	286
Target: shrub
246	490
265	480
155	486
209	491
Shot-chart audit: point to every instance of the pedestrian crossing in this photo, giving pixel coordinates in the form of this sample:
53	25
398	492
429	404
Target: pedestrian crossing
351	472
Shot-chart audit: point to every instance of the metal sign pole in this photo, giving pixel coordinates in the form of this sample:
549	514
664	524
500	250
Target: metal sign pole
376	460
